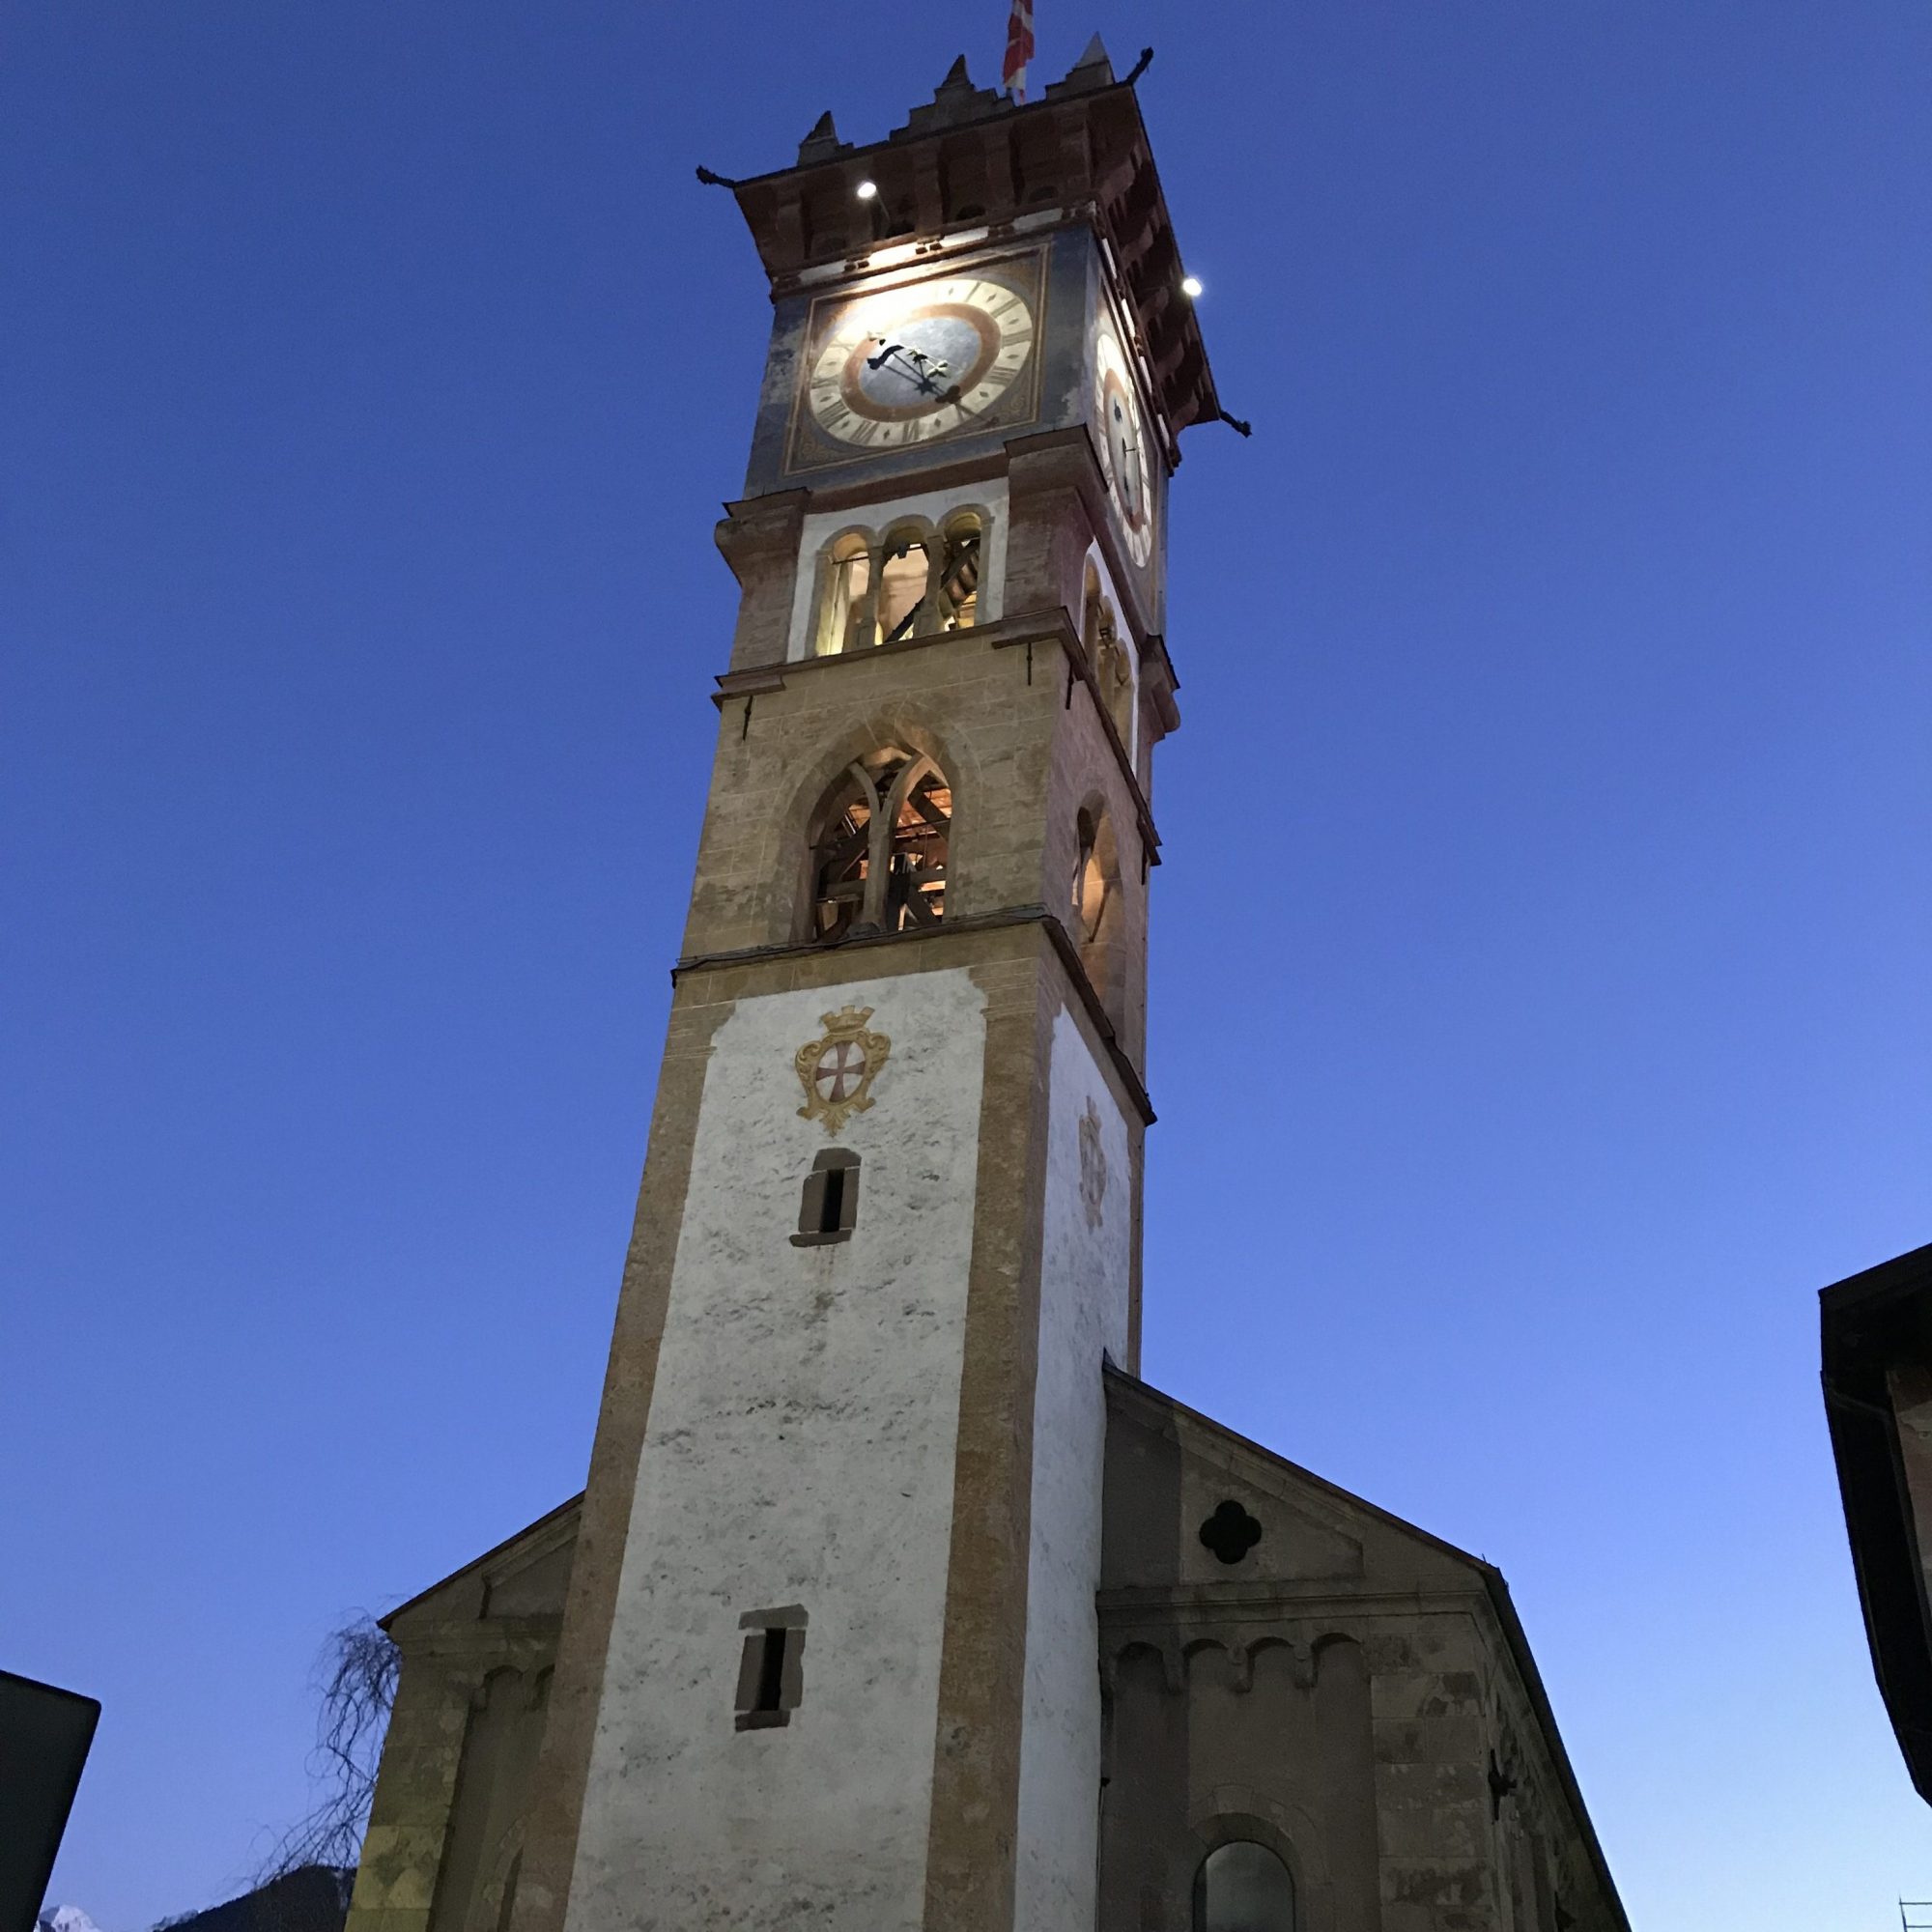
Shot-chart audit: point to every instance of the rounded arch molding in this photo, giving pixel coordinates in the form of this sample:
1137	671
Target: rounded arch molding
1178	1654
846	603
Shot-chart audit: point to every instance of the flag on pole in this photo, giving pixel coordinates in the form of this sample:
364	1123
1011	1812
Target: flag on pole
1019	48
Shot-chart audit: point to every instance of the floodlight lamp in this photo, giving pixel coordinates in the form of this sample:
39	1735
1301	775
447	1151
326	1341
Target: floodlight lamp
1190	286
867	190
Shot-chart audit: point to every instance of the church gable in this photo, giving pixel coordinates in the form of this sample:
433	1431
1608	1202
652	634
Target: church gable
1287	1667
1191	1505
444	1845
524	1576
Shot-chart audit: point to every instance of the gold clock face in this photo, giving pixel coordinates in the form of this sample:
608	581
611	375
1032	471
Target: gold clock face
914	364
1123	445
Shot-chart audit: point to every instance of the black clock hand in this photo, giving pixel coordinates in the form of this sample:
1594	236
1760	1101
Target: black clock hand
919	376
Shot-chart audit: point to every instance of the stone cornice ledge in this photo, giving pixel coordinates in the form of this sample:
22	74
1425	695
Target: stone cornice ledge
985	921
1028	628
1286	1597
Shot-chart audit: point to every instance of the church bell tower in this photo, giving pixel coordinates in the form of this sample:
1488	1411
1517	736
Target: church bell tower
896	1600
829	1654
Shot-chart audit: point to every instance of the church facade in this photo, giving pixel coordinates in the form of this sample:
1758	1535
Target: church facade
895	1599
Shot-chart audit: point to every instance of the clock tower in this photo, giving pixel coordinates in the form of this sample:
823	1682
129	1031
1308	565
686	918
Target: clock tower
896	1600
829	1650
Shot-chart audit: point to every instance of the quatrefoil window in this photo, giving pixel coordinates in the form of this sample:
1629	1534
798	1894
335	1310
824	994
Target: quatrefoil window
1230	1532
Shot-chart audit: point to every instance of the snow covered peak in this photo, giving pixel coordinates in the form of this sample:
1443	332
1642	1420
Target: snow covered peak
65	1919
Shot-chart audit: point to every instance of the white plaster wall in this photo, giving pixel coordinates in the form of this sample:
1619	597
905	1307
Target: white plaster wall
822	526
1084	1285
800	1450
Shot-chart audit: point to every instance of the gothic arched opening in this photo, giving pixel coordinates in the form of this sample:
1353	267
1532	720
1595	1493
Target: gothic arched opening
880	848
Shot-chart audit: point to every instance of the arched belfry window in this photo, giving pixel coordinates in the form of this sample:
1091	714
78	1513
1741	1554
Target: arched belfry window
845	620
1097	907
880	846
904	580
913	581
1107	653
1095	881
1243	1886
963	546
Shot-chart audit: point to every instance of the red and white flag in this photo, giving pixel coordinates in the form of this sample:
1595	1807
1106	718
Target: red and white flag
1019	48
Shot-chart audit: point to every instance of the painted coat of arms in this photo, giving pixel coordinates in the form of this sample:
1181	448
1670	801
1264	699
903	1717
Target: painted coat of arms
836	1071
1092	1166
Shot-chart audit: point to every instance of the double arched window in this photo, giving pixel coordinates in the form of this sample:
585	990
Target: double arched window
1243	1886
879	847
914	580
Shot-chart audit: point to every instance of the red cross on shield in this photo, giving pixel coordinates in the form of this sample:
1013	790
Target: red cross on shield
839	1071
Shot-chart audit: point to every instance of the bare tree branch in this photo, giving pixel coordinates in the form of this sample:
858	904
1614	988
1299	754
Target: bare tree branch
356	1679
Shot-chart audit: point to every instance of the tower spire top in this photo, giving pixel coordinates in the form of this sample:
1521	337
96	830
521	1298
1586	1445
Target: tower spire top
822	144
1093	57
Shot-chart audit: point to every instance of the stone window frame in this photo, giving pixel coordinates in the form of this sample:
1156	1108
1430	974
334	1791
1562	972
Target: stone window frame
755	1710
1228	1828
812	1232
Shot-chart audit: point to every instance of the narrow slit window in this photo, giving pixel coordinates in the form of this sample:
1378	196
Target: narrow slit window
829	1203
770	1673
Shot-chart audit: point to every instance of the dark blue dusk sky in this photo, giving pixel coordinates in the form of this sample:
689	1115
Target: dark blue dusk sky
1539	1011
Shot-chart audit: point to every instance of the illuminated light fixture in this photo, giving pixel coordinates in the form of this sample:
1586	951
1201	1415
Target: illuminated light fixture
867	190
1190	286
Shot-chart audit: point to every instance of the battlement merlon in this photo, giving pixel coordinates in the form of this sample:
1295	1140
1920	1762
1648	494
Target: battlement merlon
973	165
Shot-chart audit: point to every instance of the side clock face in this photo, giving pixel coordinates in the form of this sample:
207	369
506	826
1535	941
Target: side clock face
919	362
1123	446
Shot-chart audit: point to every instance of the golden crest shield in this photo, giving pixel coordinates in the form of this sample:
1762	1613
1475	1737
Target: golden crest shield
838	1070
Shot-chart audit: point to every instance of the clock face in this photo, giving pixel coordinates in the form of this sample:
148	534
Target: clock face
1123	445
917	363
